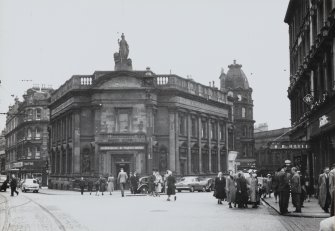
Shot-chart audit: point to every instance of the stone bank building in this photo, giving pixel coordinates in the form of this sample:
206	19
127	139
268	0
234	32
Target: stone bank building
138	121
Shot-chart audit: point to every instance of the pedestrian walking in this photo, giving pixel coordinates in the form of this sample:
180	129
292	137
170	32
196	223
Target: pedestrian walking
303	189
110	182
275	184
13	186
133	179
324	194
253	189
151	183
283	190
170	184
241	191
296	190
332	190
158	184
220	188
231	189
90	185
267	184
97	187
82	185
102	185
122	179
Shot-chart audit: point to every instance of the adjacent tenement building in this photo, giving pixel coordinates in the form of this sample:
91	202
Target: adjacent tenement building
2	152
27	135
138	121
312	76
235	83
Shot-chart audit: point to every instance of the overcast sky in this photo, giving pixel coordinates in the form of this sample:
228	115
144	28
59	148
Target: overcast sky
49	41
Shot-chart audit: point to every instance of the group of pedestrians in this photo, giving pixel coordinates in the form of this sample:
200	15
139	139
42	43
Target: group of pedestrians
156	183
237	190
327	190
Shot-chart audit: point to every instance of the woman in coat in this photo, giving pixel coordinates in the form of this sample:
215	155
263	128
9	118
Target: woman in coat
110	183
231	189
171	187
241	191
253	189
275	184
324	194
220	188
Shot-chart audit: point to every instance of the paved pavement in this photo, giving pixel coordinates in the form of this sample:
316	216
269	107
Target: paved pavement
67	210
310	209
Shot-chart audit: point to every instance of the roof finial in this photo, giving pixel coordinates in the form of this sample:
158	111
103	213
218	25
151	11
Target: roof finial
234	61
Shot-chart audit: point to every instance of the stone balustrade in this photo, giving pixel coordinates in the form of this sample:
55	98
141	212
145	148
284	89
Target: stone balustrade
191	87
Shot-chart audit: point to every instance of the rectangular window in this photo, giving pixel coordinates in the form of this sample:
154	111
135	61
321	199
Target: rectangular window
243	112
194	127
182	129
203	129
37	152
29	134
123	120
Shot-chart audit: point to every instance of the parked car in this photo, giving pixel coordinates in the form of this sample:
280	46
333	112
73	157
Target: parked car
2	180
209	184
143	185
30	185
192	183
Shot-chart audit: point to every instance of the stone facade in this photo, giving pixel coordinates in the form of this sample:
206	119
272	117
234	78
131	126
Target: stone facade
138	121
27	135
2	152
235	84
312	80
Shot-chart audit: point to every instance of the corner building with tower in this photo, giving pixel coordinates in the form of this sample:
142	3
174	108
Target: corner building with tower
138	121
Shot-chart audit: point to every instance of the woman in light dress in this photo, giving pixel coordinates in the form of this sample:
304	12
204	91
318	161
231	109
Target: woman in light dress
158	184
110	182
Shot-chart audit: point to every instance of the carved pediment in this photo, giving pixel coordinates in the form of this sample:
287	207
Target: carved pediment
120	82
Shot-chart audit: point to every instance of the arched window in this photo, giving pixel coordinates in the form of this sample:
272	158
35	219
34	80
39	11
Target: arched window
243	112
29	134
38	133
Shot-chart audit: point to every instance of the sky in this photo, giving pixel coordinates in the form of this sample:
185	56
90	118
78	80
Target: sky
46	42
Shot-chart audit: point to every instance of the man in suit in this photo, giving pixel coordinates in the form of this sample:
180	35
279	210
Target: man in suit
296	190
324	194
283	190
122	179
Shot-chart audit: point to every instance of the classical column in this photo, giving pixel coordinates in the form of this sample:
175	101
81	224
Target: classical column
325	75
172	139
199	143
76	142
97	129
218	144
333	59
318	88
177	163
325	12
209	132
227	144
189	133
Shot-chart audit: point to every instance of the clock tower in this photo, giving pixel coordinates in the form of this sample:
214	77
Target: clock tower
235	84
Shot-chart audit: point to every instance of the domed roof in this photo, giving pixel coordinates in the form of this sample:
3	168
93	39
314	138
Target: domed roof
235	78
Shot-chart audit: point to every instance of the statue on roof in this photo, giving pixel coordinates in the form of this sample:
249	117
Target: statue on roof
121	58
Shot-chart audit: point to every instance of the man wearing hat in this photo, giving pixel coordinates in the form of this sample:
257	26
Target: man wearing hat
283	190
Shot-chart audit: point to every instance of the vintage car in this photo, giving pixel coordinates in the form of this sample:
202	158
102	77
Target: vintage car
3	185
209	183
193	183
30	185
143	185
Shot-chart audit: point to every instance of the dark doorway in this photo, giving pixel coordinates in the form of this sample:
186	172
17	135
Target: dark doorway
126	168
